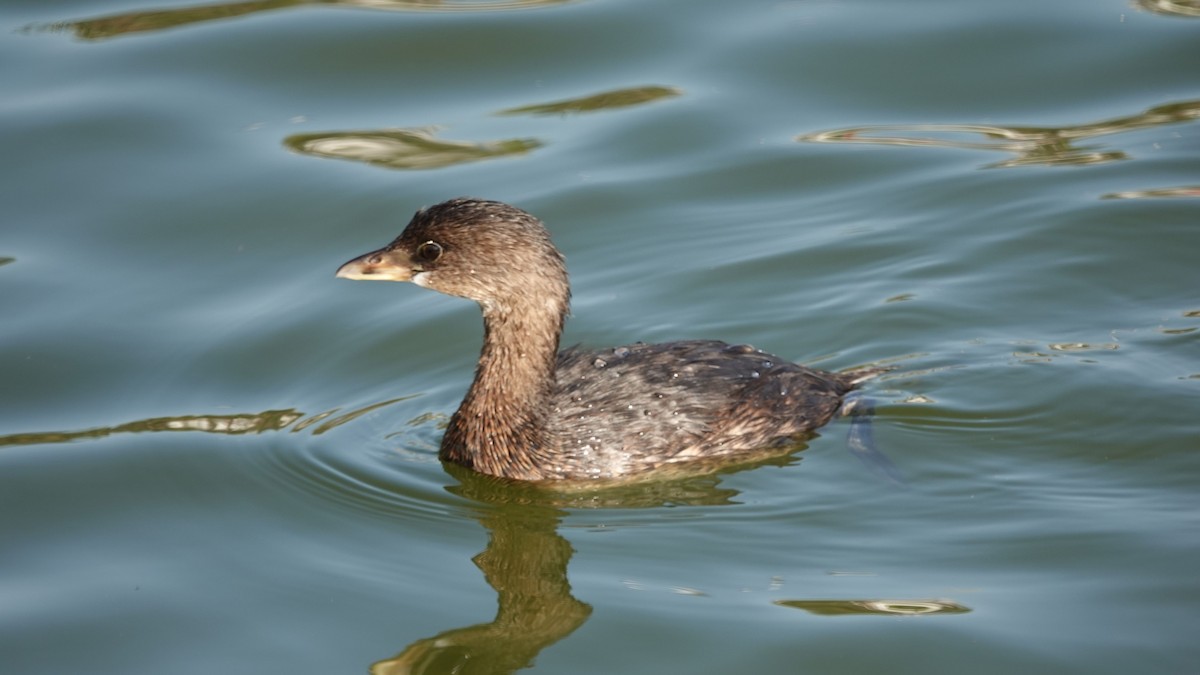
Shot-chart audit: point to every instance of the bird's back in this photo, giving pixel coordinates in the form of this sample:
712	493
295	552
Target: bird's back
637	408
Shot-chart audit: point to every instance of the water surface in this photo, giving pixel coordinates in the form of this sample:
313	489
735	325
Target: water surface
214	457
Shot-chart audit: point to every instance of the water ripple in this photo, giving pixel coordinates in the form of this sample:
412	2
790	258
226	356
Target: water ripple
1046	146
129	23
223	423
405	148
876	607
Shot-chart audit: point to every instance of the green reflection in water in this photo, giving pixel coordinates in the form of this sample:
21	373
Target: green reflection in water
152	20
404	148
876	607
525	562
1184	8
330	419
696	489
270	420
1182	191
1046	146
4	260
235	424
619	98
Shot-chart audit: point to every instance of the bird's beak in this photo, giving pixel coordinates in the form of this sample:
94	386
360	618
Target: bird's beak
381	265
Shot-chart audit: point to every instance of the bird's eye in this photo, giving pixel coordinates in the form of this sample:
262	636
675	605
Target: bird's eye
429	251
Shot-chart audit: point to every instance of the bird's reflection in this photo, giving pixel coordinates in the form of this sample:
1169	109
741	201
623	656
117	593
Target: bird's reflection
526	563
526	559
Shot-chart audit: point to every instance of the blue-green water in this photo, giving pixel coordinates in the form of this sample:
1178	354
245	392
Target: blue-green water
214	457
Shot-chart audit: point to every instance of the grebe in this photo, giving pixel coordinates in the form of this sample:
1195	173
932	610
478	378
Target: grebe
534	413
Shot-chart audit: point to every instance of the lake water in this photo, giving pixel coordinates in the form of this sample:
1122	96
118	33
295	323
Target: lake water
216	458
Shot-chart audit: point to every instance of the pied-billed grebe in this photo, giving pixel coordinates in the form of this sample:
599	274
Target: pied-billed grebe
534	413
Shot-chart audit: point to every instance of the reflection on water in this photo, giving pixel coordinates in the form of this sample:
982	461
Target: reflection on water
416	148
1190	8
5	260
404	148
526	559
447	5
619	98
526	563
1031	145
1033	355
683	490
861	439
331	419
246	423
886	607
1183	191
152	20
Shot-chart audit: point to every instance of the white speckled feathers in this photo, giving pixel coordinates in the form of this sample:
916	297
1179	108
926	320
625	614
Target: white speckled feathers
648	404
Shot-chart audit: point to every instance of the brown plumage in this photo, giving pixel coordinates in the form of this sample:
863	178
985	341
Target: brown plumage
533	413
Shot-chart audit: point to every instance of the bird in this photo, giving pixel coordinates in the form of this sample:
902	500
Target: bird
632	412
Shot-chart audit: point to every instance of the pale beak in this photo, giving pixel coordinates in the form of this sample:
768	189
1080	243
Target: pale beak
381	265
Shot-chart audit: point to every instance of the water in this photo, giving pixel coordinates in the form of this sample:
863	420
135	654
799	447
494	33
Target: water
214	457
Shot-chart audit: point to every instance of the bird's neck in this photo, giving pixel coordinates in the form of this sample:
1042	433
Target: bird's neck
500	427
